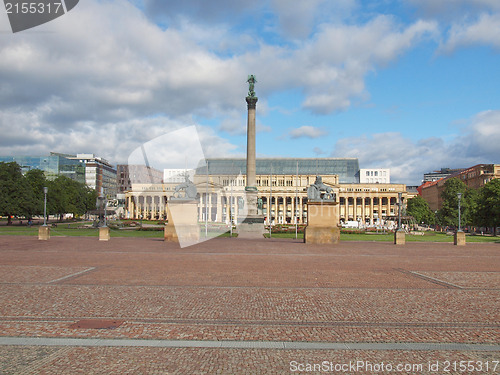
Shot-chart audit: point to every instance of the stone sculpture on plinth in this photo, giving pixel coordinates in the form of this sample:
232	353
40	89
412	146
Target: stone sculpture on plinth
322	214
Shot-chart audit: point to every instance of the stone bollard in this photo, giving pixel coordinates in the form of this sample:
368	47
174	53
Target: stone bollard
43	232
104	234
399	237
459	238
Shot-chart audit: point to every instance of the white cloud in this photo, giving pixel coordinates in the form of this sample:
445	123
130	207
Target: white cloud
409	160
91	82
335	63
307	131
483	136
454	8
485	30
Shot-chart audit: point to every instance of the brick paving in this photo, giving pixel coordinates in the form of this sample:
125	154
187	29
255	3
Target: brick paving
238	290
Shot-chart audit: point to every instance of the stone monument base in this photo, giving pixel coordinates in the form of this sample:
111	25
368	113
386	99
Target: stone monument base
182	226
43	232
459	238
104	234
322	223
399	237
251	227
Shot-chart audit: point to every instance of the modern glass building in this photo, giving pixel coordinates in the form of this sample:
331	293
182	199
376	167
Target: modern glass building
346	168
52	165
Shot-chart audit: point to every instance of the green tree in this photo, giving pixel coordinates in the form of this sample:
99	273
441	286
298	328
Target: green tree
57	197
36	179
488	205
69	196
472	200
419	209
90	199
448	214
16	194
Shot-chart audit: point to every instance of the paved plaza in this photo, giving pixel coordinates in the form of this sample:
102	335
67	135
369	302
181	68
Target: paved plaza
232	306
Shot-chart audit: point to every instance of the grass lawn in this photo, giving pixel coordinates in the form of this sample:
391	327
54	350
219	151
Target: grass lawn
72	231
76	230
389	237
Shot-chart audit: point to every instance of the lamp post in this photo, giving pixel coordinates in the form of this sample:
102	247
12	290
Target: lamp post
45	191
459	195
400	195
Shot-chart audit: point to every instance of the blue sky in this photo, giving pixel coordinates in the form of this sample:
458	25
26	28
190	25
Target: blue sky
408	85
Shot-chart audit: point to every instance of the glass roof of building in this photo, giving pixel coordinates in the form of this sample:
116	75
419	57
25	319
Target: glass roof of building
346	168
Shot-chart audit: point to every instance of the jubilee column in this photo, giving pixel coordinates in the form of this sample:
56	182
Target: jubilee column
251	168
252	226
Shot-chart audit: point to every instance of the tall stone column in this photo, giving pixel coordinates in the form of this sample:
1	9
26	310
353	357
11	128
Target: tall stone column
252	226
251	134
251	188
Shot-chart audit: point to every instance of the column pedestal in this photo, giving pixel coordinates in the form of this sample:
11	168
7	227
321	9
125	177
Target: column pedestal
459	238
322	223
399	237
43	232
251	226
104	234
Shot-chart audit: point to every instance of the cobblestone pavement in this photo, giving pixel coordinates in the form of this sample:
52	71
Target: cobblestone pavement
242	291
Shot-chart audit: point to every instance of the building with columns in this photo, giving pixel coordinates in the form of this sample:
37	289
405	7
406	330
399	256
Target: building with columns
282	189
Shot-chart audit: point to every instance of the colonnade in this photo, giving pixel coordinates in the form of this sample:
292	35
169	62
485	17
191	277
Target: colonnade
368	203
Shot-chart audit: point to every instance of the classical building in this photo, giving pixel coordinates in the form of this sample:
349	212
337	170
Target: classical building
282	188
473	177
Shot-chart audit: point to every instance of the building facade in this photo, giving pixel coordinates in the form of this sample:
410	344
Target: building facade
126	175
281	190
99	174
473	177
375	176
52	165
443	173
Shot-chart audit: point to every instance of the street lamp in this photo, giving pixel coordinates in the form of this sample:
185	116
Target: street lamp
45	191
459	195
400	195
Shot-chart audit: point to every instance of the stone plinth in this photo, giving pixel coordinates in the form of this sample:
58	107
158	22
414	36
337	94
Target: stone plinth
399	237
459	238
182	226
104	234
252	225
44	232
322	223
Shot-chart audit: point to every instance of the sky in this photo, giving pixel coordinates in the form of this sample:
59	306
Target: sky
411	85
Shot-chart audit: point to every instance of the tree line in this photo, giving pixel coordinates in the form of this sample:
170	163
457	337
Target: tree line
23	196
479	207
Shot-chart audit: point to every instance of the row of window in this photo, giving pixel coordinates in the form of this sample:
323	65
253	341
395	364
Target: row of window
375	173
